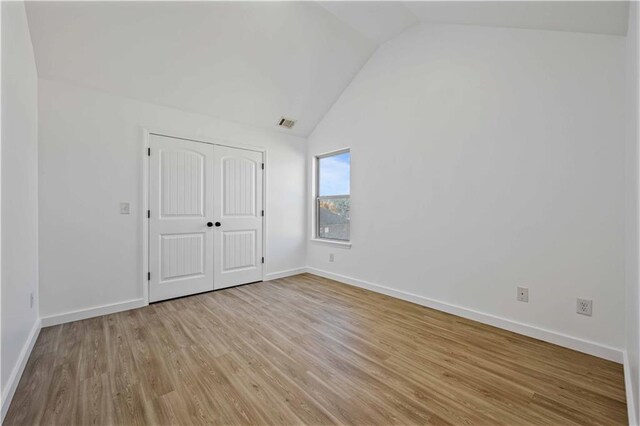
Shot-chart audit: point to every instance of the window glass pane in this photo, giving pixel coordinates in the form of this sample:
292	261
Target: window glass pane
333	174
333	217
334	196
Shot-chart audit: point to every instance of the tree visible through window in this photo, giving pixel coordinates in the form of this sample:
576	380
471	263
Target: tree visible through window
333	196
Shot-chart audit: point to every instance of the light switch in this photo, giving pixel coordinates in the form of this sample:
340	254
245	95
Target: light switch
124	208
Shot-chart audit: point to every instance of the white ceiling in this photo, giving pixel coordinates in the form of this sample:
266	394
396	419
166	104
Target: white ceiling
377	20
601	17
252	62
249	62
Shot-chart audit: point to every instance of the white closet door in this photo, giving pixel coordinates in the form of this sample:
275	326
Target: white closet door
181	205
238	208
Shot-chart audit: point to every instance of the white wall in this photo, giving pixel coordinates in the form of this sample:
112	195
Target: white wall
19	195
631	232
484	159
91	160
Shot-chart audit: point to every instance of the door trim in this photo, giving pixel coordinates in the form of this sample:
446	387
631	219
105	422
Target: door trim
144	221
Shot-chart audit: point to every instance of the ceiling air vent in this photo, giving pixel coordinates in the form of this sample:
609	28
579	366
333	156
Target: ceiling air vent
286	122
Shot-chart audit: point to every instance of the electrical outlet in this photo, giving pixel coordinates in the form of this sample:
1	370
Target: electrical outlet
31	300
523	294
125	208
584	307
331	257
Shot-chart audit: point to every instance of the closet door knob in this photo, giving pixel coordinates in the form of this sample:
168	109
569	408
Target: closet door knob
218	224
209	224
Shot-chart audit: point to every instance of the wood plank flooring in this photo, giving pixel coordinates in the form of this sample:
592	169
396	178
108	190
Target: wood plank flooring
306	350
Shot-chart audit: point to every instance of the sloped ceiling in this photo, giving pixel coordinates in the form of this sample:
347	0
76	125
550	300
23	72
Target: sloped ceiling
600	17
377	20
250	62
253	62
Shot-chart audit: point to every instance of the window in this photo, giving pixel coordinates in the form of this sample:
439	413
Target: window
333	200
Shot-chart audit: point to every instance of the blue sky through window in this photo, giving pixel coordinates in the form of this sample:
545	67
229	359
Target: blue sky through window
334	174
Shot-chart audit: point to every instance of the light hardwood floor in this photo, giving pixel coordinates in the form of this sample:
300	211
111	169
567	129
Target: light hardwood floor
306	350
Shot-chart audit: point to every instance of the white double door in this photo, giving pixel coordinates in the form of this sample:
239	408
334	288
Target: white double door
205	219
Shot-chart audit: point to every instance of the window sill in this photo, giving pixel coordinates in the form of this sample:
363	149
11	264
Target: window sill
332	243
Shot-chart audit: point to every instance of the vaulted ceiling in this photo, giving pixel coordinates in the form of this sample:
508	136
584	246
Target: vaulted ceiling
253	62
245	61
600	17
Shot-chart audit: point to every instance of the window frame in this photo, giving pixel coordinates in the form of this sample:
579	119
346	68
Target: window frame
317	198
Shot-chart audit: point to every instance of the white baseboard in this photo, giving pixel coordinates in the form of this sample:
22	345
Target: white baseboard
92	312
284	274
588	347
631	401
18	369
